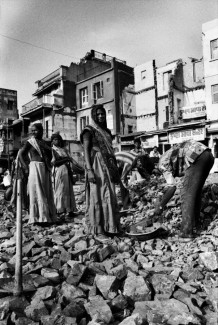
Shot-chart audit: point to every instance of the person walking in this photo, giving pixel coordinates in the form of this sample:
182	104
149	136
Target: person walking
42	209
62	178
193	160
101	175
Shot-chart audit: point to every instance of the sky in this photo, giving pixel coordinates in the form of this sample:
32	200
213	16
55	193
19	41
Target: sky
37	36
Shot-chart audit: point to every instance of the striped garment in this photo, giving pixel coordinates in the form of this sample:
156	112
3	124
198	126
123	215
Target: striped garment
126	157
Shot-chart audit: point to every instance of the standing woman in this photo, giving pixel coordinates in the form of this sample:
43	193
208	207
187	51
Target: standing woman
42	208
62	176
101	176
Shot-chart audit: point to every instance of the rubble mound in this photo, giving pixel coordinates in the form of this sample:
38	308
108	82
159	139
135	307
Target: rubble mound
70	278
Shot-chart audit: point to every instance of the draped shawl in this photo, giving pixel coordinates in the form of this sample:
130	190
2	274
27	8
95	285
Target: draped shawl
104	143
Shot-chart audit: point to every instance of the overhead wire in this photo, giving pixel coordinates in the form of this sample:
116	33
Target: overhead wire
39	47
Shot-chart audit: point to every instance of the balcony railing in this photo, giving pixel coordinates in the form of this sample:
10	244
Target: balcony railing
60	72
46	100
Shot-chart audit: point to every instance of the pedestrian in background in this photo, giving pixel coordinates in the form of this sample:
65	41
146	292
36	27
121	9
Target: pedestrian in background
138	152
155	153
193	160
41	200
62	178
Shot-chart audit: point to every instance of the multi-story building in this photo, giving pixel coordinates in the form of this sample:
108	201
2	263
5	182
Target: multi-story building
101	81
210	57
169	100
63	99
54	104
8	113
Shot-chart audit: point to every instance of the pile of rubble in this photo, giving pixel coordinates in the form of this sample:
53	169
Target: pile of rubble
69	278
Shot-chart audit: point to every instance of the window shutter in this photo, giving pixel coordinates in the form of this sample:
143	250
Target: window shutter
81	124
101	88
215	93
215	98
92	91
86	94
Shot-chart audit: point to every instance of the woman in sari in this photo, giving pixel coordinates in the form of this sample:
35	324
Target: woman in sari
41	201
101	175
62	177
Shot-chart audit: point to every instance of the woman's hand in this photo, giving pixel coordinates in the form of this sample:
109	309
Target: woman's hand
91	176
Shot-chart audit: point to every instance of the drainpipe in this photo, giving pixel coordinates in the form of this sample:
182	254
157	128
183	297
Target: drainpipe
116	98
156	95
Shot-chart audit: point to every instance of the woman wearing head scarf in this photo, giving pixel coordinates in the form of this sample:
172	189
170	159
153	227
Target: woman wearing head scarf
101	176
62	177
42	208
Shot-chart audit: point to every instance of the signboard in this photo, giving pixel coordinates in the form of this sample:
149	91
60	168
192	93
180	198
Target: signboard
193	111
197	134
150	142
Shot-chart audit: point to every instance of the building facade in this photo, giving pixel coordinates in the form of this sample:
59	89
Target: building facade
168	100
102	81
8	114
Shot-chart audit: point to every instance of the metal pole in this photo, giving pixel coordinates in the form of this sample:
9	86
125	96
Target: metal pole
18	269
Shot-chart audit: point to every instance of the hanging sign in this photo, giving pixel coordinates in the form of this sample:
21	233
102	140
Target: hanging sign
193	111
197	134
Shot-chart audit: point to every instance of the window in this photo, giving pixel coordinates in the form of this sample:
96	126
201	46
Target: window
84	97
214	49
166	76
83	122
143	74
46	129
10	105
167	113
130	129
97	90
214	90
178	103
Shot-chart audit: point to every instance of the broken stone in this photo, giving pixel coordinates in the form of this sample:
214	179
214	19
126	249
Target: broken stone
99	310
163	285
36	310
76	272
51	275
107	285
210	260
105	252
136	288
133	320
70	292
44	293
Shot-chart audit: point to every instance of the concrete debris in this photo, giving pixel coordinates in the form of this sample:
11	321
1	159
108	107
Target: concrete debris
70	278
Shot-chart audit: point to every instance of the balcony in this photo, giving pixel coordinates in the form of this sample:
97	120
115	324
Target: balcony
53	78
37	103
